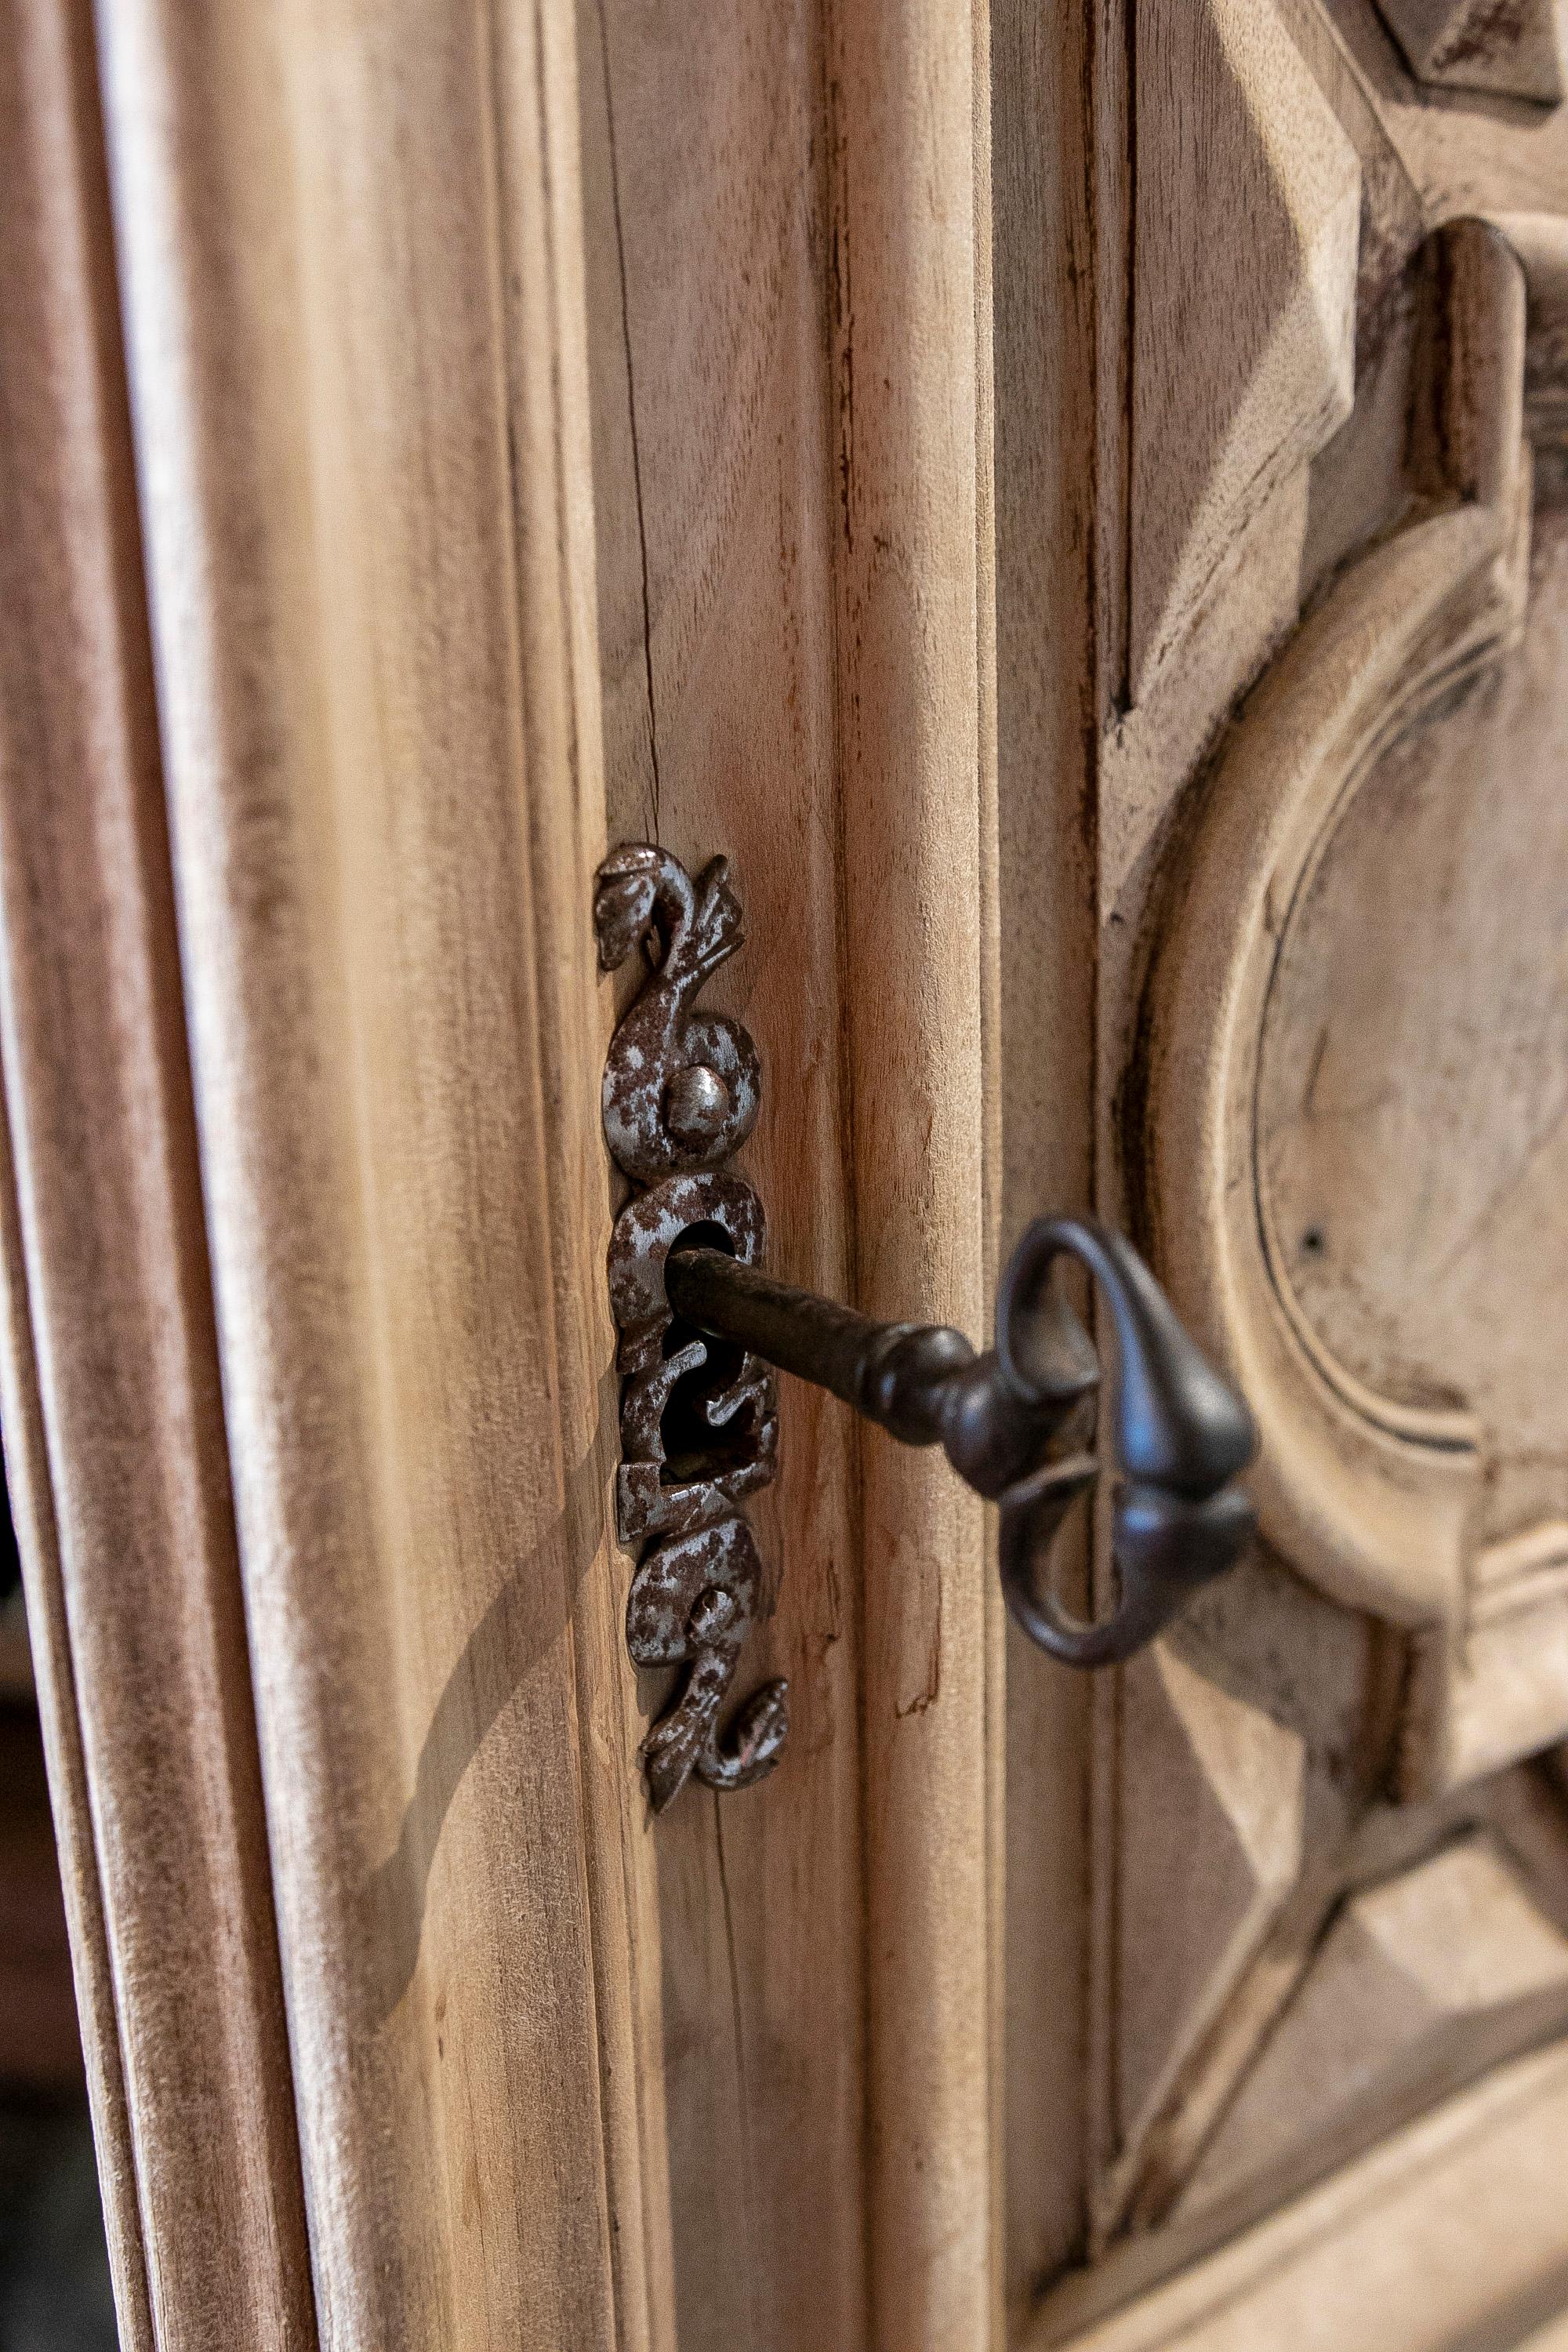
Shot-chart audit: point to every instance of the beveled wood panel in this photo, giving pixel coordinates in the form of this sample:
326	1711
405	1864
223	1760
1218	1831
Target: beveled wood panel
1453	2234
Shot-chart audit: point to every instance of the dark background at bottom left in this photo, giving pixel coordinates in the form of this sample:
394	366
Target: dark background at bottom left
55	2292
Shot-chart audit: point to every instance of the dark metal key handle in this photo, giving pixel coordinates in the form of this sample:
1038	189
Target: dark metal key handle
701	1325
1179	1434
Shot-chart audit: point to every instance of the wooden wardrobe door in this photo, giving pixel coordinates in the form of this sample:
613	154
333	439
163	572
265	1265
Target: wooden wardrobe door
1279	426
352	344
444	444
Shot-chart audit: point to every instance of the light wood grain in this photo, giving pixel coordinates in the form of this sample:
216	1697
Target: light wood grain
1462	1435
114	1424
1034	474
1483	157
1516	51
1345	683
1206	1863
1238	376
1420	1982
1203	437
712	455
1455	2224
791	458
1233	482
916	542
353	300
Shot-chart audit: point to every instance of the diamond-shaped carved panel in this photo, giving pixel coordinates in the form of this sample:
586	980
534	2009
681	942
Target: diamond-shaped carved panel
1240	372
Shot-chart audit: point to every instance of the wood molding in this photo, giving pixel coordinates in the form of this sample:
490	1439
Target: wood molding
115	1438
351	277
914	599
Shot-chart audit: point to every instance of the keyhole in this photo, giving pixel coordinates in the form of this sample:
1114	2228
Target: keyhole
693	1447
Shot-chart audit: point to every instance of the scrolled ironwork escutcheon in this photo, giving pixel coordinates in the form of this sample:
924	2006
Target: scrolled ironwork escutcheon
699	1424
701	1322
681	1089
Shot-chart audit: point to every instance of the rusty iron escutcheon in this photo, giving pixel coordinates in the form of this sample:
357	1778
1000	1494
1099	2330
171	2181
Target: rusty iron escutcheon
698	1420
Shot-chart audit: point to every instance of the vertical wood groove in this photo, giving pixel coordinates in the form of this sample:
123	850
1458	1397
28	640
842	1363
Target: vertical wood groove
546	351
370	582
908	217
131	1570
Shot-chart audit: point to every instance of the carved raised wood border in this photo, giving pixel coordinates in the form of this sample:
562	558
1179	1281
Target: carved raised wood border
1372	1498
